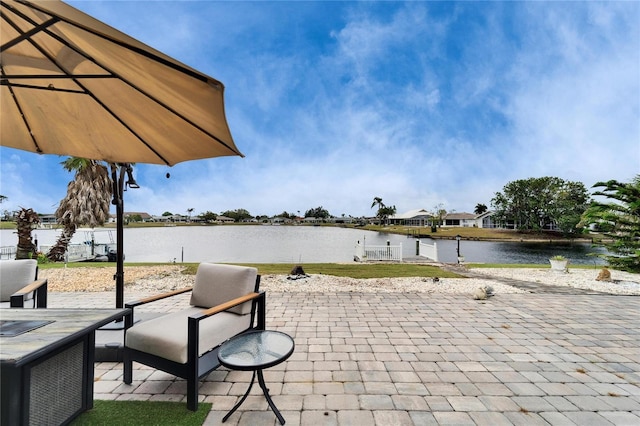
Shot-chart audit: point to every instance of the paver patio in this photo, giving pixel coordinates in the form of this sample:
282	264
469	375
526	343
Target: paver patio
420	359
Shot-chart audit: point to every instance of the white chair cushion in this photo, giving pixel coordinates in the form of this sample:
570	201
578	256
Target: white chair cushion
14	275
216	284
167	336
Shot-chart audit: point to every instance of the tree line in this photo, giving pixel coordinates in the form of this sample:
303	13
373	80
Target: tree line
534	204
551	203
537	204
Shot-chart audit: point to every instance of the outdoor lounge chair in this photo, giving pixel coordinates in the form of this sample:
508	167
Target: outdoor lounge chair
19	283
225	301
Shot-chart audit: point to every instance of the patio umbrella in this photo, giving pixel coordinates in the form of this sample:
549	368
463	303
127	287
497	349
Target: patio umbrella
72	85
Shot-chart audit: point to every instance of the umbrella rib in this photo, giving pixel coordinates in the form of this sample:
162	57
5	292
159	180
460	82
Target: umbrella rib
24	118
138	50
54	76
27	34
44	29
74	79
31	86
149	55
139	90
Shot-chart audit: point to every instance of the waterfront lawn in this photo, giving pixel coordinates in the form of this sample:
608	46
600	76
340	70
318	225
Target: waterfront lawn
359	270
353	270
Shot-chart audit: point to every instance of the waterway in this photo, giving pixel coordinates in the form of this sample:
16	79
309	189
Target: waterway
301	244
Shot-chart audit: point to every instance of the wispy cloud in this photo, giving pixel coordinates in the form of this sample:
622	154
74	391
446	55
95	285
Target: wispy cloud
417	103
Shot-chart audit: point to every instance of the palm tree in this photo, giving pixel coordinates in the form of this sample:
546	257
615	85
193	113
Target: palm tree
86	203
618	221
25	221
480	208
383	211
377	201
190	210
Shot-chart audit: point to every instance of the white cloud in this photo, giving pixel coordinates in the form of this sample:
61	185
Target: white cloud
418	103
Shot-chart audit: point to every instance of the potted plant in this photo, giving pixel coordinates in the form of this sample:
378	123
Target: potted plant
559	263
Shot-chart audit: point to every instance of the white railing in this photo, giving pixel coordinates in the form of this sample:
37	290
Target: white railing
366	253
429	251
8	252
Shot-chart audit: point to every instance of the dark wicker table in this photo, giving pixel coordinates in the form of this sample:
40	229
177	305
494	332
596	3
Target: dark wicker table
47	365
255	351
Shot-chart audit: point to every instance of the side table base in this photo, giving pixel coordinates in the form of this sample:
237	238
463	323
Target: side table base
263	386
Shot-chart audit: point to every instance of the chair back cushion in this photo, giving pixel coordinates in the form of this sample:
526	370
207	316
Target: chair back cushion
15	274
216	284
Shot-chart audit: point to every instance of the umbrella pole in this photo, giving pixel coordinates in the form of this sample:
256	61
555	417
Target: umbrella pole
118	200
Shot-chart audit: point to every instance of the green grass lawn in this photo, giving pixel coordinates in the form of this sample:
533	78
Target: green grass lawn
142	413
353	270
361	270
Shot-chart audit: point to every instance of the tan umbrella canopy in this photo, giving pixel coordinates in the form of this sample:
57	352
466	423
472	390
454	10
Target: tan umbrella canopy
72	85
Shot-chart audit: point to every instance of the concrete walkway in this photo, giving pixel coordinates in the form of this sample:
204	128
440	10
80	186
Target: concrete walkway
529	286
421	359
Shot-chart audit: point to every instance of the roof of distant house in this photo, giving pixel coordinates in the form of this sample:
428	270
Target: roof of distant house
411	213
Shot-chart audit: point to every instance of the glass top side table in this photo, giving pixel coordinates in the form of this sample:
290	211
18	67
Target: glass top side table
255	351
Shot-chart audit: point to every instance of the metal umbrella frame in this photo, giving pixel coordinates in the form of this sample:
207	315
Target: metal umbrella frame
72	85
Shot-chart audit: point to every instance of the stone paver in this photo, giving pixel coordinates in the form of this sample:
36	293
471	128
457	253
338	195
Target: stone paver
421	359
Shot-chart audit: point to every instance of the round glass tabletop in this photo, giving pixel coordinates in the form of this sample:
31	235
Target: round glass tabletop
256	350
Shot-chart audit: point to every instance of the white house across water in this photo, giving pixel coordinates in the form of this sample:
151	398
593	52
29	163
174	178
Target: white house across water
421	217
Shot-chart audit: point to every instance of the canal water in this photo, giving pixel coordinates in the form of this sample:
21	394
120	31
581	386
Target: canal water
300	244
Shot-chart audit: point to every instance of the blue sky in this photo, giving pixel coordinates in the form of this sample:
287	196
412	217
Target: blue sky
419	103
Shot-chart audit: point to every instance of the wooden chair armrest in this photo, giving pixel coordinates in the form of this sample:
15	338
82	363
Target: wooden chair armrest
227	305
30	287
39	290
157	297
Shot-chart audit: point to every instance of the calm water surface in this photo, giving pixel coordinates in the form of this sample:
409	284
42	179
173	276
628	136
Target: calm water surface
299	244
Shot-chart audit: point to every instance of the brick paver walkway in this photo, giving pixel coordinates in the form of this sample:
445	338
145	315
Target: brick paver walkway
420	359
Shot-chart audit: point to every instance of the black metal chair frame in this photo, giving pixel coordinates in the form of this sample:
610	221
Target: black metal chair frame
39	290
196	367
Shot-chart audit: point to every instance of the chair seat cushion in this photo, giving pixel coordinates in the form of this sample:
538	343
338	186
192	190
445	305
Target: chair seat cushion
167	336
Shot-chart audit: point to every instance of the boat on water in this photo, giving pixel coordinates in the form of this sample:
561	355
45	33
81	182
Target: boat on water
91	249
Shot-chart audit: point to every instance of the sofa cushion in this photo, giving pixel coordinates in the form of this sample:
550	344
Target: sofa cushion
216	284
167	336
14	275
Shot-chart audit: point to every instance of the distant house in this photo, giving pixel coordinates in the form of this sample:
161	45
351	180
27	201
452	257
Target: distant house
485	220
146	217
341	219
460	219
160	218
421	217
224	219
417	217
48	219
